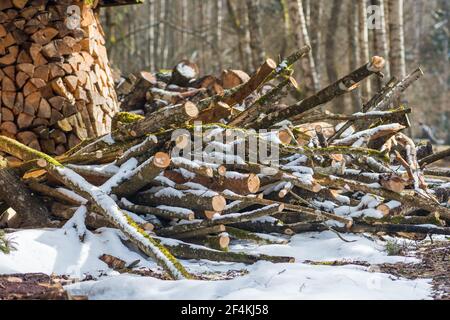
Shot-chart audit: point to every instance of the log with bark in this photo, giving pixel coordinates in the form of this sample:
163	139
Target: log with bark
177	188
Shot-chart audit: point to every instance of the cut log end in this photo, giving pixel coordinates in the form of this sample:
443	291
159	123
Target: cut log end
221	170
224	241
182	141
253	183
191	109
284	136
377	64
218	203
161	160
271	63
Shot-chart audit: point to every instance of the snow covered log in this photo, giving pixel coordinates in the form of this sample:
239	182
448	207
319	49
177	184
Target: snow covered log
234	181
225	219
164	118
190	251
161	211
142	175
194	199
340	87
104	204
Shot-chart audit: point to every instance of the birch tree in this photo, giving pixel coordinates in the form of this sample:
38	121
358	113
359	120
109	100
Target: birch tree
396	37
309	74
380	43
256	36
353	52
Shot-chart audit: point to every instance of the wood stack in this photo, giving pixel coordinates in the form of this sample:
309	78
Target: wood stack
56	84
367	177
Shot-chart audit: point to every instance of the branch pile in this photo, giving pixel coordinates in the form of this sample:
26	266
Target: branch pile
179	177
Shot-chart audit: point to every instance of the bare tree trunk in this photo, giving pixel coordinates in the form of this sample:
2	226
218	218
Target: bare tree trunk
151	35
311	83
256	37
397	42
184	17
157	40
353	52
364	45
315	32
165	13
218	32
307	12
330	43
418	12
286	27
380	43
330	48
243	36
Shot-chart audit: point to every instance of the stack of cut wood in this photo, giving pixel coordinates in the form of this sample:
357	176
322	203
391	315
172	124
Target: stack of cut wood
345	173
56	86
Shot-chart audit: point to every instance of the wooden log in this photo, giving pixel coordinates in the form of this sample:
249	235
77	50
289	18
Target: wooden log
161	211
142	175
232	78
164	118
188	251
137	150
271	174
236	182
193	199
218	242
416	200
137	97
254	83
200	233
340	87
259	106
184	72
226	219
434	157
103	204
254	237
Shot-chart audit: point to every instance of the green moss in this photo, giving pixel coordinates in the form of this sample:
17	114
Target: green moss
15	148
160	247
127	117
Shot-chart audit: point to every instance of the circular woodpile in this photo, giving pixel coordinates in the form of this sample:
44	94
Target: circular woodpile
56	85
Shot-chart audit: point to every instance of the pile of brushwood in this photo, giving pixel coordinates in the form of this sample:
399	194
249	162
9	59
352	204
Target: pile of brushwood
193	163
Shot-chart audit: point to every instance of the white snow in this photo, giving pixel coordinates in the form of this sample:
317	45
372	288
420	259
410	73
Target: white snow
186	71
72	195
365	208
61	252
126	170
175	209
368	133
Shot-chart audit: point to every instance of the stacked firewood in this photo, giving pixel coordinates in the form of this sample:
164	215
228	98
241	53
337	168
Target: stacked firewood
56	86
174	196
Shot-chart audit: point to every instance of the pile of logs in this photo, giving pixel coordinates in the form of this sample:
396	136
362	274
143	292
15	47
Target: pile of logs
56	86
344	173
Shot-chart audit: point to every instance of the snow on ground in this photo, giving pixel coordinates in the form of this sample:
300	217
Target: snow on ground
61	252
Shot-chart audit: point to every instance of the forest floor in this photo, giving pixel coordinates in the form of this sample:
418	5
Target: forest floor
326	268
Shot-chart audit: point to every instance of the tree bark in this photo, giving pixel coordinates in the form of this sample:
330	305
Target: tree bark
396	37
364	45
311	82
342	86
255	29
380	43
